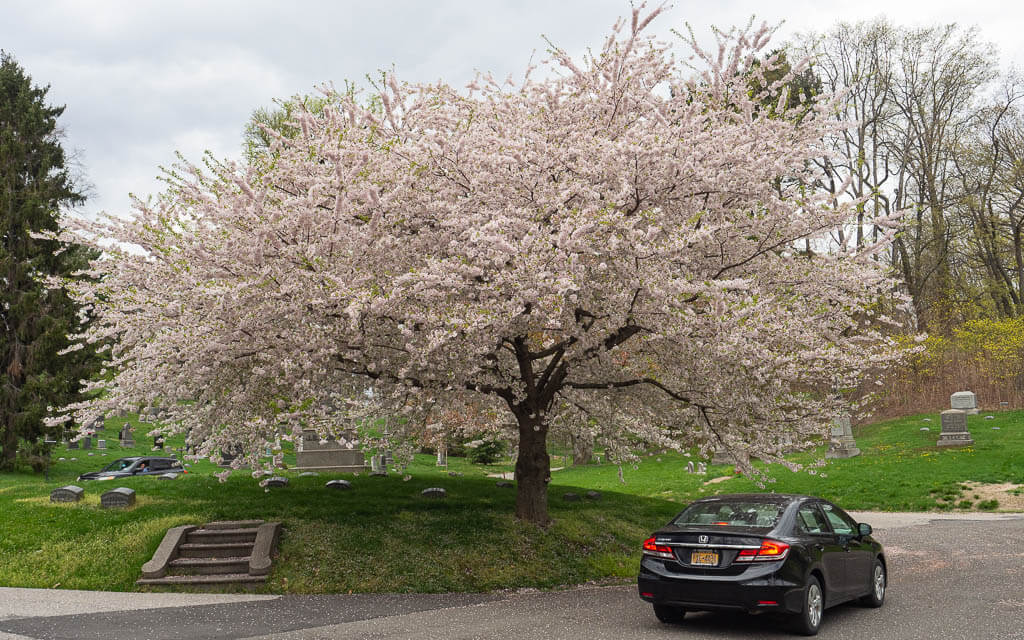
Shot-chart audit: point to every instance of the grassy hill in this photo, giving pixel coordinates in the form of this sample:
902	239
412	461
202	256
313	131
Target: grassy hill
382	536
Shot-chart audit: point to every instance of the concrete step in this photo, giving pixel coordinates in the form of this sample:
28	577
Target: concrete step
210	566
215	550
221	536
233	524
204	580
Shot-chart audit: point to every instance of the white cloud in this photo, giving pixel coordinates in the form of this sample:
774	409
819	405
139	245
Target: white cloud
143	78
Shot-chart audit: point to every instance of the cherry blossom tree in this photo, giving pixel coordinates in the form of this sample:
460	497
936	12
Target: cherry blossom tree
611	247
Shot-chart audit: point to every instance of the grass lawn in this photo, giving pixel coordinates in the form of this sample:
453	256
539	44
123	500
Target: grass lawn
383	537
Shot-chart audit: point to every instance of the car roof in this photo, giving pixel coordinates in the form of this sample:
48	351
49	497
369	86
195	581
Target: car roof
775	498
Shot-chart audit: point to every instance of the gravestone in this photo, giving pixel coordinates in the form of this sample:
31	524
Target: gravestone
127	436
87	442
702	467
73	444
843	445
593	495
434	492
118	498
571	497
313	455
954	429
689	467
308	474
169	476
101	444
339	484
377	463
503	484
70	493
158	442
965	401
1004	405
276	481
442	457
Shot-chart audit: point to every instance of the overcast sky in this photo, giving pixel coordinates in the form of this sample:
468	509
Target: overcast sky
144	79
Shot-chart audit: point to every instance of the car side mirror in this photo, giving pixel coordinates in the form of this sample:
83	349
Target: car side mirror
864	529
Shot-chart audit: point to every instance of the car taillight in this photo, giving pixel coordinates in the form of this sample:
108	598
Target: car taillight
769	550
652	548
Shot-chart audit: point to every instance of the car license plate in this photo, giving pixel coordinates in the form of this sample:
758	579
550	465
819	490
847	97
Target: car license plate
706	558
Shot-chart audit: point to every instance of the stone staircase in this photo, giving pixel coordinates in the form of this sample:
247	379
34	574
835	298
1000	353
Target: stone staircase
218	553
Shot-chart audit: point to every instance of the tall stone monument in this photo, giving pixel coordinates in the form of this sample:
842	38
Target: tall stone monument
843	445
312	455
965	401
954	429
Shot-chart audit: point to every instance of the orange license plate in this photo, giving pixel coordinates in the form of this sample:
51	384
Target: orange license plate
706	558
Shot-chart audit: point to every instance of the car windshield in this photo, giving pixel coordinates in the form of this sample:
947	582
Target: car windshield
118	465
733	513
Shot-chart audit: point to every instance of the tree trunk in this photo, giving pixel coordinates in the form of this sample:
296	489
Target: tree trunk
8	445
533	470
582	448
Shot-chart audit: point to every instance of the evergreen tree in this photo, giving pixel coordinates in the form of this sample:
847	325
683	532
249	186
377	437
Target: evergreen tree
35	320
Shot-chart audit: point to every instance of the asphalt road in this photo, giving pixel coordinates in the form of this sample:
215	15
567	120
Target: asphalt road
949	578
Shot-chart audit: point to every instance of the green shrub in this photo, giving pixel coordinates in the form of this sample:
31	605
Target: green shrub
487	452
988	505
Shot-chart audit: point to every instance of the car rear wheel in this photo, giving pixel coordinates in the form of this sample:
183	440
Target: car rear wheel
879	580
809	620
669	614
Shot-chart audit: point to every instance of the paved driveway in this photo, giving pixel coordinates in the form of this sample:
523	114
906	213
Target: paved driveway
953	578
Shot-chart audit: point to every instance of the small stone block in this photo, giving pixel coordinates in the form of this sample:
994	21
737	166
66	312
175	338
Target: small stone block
925	429
168	476
118	498
434	492
454	474
309	474
277	481
990	417
70	493
593	495
339	484
503	484
995	428
571	497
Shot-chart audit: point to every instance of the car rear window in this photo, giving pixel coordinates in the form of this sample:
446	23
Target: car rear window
731	514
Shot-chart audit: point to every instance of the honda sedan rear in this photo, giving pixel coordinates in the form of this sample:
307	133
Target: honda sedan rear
761	552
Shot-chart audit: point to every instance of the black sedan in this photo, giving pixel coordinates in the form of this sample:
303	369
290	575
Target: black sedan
789	554
135	466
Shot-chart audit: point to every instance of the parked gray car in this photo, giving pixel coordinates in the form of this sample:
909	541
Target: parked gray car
135	466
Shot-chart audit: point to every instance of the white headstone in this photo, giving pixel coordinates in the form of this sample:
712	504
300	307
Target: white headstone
964	400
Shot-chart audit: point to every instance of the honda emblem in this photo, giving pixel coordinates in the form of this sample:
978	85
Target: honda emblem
702	539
